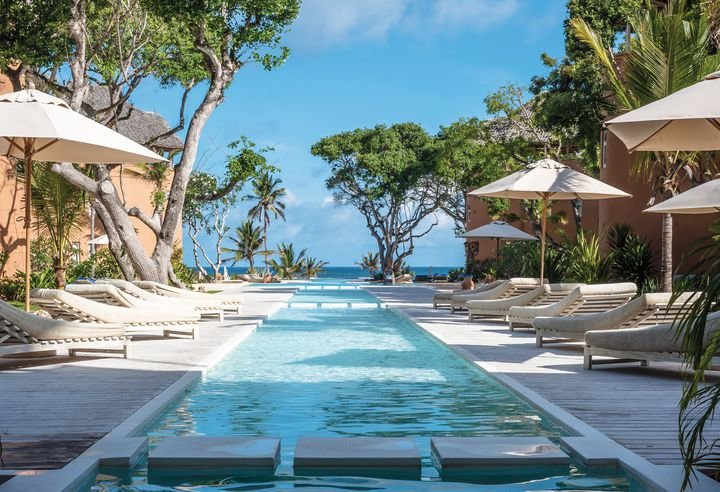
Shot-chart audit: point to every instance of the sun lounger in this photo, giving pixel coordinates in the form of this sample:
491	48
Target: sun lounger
22	332
231	303
500	308
646	310
113	296
442	299
64	305
585	299
205	308
508	288
643	344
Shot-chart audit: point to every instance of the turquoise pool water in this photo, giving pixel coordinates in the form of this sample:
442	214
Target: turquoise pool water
351	372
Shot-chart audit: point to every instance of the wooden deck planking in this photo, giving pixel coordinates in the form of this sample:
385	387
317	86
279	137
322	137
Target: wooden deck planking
52	412
636	406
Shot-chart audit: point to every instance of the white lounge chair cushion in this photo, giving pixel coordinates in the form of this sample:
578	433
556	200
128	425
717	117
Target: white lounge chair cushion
658	338
558	308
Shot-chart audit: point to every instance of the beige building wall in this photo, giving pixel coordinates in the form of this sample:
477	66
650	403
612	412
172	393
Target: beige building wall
135	191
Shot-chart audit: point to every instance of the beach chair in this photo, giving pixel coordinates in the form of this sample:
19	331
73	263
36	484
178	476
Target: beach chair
646	310
500	308
67	306
585	299
211	309
22	332
113	296
659	343
230	303
443	299
508	288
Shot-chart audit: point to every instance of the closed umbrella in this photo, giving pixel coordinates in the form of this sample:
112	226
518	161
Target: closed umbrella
548	180
499	230
688	119
38	126
703	199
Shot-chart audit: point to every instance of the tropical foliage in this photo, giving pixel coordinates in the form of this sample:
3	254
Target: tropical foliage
288	263
631	257
60	210
312	267
246	245
586	262
267	195
369	262
669	51
700	397
386	173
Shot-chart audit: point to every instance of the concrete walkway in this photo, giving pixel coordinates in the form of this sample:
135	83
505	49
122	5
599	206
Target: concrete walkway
52	409
636	406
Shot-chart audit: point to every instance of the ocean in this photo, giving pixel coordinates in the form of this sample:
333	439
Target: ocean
353	272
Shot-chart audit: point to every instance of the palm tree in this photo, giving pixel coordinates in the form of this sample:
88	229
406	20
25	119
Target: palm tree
266	194
288	264
246	245
370	262
668	52
312	267
60	213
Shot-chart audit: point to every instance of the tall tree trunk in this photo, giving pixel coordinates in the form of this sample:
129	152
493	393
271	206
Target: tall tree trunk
666	257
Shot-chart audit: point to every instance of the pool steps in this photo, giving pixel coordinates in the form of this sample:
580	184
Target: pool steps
376	456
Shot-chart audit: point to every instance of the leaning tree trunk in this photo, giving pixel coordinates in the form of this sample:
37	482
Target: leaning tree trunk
666	259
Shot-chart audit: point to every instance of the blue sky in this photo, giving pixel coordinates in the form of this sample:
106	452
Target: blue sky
357	63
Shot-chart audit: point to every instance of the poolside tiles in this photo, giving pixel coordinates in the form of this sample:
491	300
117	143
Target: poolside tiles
202	453
357	453
481	452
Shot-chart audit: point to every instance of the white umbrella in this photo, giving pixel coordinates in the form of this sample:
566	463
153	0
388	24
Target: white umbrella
549	180
38	126
499	230
703	199
688	119
100	240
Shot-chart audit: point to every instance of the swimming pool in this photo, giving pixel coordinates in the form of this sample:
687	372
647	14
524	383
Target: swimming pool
352	372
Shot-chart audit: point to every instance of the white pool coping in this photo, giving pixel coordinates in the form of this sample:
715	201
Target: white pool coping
589	445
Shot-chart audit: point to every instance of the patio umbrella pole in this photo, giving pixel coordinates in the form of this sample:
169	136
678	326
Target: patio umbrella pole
497	250
28	217
543	225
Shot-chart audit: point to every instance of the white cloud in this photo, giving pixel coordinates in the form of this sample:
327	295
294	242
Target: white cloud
324	23
291	199
472	14
327	201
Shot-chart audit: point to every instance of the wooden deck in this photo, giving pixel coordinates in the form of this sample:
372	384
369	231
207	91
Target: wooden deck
635	406
52	409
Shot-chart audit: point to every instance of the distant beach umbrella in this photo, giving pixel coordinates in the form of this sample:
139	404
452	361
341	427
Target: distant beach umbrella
703	199
688	119
499	231
35	126
548	180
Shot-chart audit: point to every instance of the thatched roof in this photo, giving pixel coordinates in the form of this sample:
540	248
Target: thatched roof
136	124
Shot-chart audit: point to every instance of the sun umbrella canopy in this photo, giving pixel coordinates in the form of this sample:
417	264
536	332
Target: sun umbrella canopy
100	240
550	180
61	134
703	199
499	230
688	119
35	126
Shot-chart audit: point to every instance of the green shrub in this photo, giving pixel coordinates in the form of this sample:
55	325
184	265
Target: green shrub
102	264
12	289
454	274
184	273
586	262
631	258
522	259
